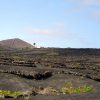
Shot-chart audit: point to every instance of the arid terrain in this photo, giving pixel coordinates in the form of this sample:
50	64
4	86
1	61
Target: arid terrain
40	73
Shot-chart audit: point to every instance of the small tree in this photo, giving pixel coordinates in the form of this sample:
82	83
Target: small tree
34	44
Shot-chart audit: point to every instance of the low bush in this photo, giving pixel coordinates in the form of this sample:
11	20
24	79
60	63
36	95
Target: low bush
68	88
7	93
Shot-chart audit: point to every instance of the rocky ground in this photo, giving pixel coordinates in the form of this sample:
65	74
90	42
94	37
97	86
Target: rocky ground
35	72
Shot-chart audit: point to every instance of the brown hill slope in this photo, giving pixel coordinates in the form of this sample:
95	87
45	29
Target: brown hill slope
3	48
15	43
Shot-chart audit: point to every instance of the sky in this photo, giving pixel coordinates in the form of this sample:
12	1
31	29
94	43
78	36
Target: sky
52	23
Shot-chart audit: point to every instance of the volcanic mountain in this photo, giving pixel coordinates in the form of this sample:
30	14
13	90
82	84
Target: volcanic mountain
15	43
2	47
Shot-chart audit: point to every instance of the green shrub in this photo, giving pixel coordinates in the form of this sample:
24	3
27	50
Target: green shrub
10	93
68	88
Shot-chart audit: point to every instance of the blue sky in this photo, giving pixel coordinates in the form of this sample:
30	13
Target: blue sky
52	23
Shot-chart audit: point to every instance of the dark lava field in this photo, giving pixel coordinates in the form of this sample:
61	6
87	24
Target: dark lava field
40	73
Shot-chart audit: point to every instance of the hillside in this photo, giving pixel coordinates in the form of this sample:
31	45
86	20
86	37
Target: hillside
3	48
15	44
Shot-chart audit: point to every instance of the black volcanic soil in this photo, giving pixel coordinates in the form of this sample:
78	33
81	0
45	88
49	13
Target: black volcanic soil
25	70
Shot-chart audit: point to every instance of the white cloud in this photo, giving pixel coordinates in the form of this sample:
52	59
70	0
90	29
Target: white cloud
56	29
89	8
91	2
86	2
46	31
41	31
